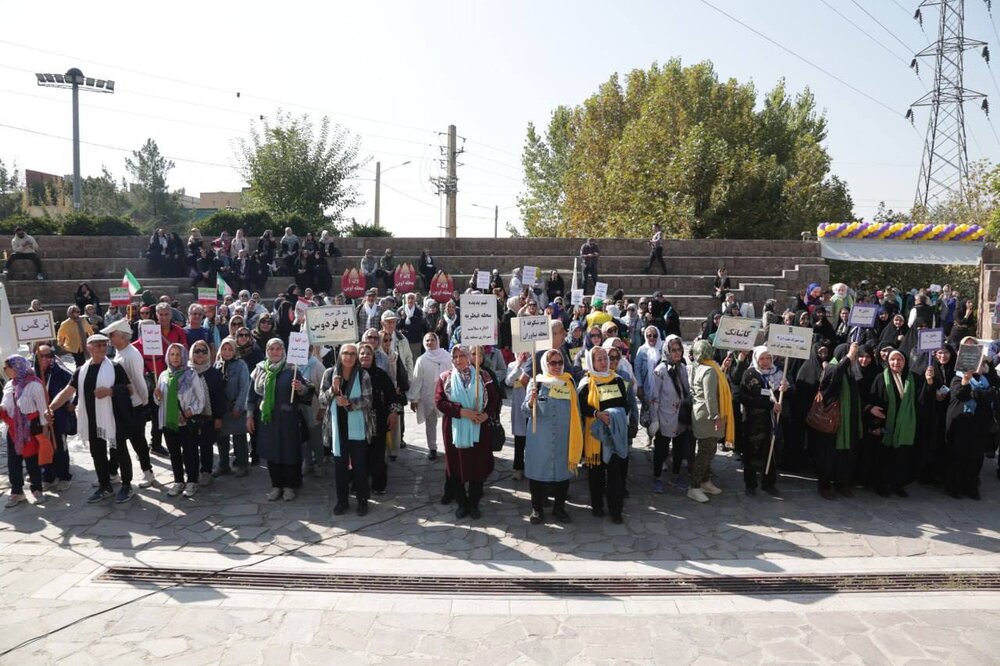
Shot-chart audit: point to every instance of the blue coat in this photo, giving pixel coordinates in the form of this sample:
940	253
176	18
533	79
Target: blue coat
547	449
518	418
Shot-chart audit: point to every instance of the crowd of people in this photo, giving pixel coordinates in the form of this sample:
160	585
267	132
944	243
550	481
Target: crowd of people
866	410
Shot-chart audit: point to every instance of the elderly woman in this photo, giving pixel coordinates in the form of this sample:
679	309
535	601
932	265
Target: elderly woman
604	407
386	406
275	392
209	422
346	395
180	395
518	376
760	396
430	365
554	436
893	402
712	417
968	422
669	402
466	401
23	410
236	386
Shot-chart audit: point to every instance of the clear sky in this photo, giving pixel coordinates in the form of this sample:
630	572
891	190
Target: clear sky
397	73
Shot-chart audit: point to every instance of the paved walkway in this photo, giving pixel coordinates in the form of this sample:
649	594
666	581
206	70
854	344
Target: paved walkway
50	555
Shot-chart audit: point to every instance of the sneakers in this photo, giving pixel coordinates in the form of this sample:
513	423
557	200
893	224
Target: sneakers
40	276
289	494
697	494
63	485
49	486
112	480
100	494
38	495
175	490
191	489
205	479
148	479
13	500
239	472
274	495
535	518
125	493
657	486
679	482
710	488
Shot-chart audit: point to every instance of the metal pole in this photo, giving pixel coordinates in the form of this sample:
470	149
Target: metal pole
77	188
378	187
452	187
496	216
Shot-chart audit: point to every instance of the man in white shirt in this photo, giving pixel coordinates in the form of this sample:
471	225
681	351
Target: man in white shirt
25	247
656	250
127	356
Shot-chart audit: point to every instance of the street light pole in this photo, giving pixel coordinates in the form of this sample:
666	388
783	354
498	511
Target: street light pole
378	187
496	216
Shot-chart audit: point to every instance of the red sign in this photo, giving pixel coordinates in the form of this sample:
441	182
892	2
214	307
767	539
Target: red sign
442	287
353	283
405	278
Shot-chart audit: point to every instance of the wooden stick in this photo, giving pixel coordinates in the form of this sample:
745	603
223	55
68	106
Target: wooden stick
295	373
534	405
476	389
781	397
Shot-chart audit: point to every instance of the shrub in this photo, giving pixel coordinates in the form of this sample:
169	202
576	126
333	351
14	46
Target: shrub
366	231
253	222
35	226
82	224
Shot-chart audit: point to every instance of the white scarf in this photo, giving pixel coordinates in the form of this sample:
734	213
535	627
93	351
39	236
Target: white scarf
370	311
450	321
409	310
103	409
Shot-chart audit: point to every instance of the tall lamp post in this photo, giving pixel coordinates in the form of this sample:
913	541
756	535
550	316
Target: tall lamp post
496	216
378	186
75	79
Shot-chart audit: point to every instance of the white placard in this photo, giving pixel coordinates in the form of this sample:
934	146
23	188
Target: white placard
576	297
34	326
737	333
526	331
529	275
152	339
483	280
601	290
996	309
332	324
863	316
298	348
479	319
930	339
935	288
790	341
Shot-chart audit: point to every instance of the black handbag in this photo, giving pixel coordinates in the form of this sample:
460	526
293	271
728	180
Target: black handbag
498	436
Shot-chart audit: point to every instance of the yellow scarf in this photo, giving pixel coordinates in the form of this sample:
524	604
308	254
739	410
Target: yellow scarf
592	445
725	401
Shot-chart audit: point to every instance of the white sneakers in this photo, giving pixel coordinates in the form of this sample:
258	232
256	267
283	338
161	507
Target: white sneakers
190	490
289	494
175	490
711	488
697	494
148	479
274	495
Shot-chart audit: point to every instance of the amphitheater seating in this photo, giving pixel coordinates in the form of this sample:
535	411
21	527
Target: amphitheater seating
758	269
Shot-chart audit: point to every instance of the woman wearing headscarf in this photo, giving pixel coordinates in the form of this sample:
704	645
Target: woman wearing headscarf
814	296
834	451
427	268
86	296
465	402
504	334
864	463
429	366
574	340
180	395
646	359
894	399
712	417
555	286
554	436
894	332
23	409
670	410
286	317
204	426
760	395
517	378
236	383
604	407
934	460
263	331
710	326
346	396
968	428
385	405
798	443
272	413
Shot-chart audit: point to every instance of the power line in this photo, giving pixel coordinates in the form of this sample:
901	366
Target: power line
802	58
907	11
881	25
408	196
865	33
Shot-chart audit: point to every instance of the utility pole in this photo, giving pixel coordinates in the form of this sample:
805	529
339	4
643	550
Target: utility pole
944	168
451	186
496	217
378	188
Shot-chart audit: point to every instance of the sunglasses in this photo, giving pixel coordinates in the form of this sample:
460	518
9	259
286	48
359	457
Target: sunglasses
199	352
556	362
615	357
243	335
595	335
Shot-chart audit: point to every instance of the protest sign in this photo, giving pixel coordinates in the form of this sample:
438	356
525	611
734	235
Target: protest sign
352	283
526	331
790	341
152	339
34	326
935	288
863	316
601	290
996	309
930	339
529	276
737	333
208	295
442	287
969	358
331	325
576	297
119	296
405	278
298	348
482	280
478	319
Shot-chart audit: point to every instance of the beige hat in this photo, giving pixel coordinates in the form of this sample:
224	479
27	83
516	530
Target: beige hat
97	337
121	326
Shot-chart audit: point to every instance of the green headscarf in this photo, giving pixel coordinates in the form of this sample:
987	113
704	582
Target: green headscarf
271	372
173	405
902	414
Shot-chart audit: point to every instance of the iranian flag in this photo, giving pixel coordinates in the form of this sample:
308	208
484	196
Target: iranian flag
131	283
222	286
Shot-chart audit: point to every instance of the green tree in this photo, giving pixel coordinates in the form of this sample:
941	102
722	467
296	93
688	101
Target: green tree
102	195
294	169
676	145
10	190
152	202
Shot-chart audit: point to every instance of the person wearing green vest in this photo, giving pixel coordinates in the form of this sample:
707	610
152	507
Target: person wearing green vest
894	398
